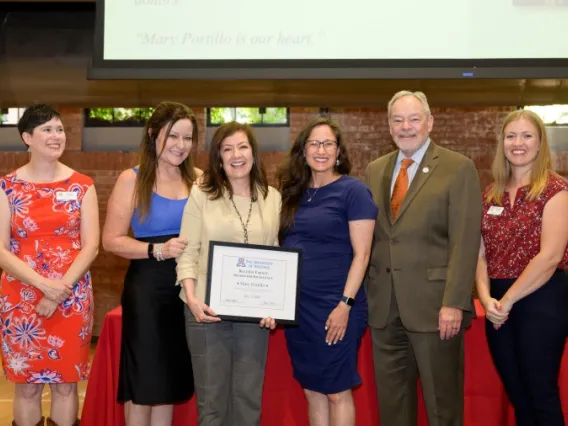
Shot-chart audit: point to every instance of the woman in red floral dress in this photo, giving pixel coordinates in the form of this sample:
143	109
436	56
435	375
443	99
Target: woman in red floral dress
49	236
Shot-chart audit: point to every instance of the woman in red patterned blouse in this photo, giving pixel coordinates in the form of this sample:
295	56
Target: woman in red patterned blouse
519	277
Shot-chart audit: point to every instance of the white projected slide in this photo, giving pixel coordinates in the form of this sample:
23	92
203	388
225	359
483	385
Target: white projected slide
312	29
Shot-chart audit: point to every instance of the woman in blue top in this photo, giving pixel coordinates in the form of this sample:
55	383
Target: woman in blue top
330	216
155	365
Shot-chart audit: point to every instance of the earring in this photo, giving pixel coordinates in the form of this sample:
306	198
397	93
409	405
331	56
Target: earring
337	162
29	148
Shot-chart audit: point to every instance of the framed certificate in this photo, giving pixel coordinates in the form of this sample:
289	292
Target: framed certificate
247	282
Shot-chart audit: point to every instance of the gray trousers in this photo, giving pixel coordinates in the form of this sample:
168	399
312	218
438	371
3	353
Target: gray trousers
228	360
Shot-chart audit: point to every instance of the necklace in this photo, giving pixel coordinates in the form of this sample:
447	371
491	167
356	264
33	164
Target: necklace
245	226
310	196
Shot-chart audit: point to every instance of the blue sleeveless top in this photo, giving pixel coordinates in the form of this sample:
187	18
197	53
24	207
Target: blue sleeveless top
164	217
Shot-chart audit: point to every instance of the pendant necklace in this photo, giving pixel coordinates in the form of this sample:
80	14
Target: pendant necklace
311	196
245	226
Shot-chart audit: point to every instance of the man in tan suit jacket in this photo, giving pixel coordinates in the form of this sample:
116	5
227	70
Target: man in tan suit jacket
422	268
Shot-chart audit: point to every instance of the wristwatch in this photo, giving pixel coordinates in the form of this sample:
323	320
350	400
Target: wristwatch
348	300
151	251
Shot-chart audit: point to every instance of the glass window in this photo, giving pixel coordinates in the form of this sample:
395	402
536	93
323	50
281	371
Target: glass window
118	117
551	114
10	116
269	116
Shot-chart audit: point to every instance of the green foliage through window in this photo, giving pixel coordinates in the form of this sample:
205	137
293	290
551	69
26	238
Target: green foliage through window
118	116
269	116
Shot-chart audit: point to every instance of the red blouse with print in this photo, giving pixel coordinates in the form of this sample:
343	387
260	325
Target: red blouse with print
512	235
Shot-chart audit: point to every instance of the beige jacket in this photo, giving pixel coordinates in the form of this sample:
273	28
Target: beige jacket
205	220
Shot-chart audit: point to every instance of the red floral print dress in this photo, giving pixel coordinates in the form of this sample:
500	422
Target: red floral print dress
45	233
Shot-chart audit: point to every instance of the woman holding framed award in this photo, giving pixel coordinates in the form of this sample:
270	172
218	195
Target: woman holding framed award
330	216
232	203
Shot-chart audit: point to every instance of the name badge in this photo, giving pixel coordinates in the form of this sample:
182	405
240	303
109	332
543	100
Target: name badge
495	210
66	196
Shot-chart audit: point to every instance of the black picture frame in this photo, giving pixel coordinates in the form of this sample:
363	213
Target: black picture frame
248	247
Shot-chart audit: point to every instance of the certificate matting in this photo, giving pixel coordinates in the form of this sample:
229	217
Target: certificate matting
248	282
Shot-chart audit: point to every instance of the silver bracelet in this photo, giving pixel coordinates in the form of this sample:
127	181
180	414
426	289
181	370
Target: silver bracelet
159	256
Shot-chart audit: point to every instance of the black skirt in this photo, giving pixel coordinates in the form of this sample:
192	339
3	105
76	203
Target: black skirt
155	364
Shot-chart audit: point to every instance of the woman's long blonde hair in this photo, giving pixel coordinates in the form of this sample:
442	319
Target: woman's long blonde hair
541	167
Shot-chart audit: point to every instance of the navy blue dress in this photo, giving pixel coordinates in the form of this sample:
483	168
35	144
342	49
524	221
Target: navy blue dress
321	231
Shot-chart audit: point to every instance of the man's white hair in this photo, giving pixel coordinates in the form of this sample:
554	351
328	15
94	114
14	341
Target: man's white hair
418	95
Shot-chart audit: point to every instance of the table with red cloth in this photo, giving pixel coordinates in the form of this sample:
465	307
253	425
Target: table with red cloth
283	400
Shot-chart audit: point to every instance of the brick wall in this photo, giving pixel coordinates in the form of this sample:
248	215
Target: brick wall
471	131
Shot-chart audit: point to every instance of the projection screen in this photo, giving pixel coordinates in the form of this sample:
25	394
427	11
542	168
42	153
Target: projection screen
331	39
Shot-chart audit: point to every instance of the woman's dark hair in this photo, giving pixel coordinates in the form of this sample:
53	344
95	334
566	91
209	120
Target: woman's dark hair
34	116
165	116
294	176
215	180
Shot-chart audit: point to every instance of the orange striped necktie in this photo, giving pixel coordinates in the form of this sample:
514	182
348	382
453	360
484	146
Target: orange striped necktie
400	186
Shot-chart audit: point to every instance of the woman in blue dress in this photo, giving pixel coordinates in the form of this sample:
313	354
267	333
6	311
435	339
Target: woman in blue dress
330	216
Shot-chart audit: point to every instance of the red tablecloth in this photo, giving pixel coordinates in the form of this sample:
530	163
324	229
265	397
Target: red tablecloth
283	400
